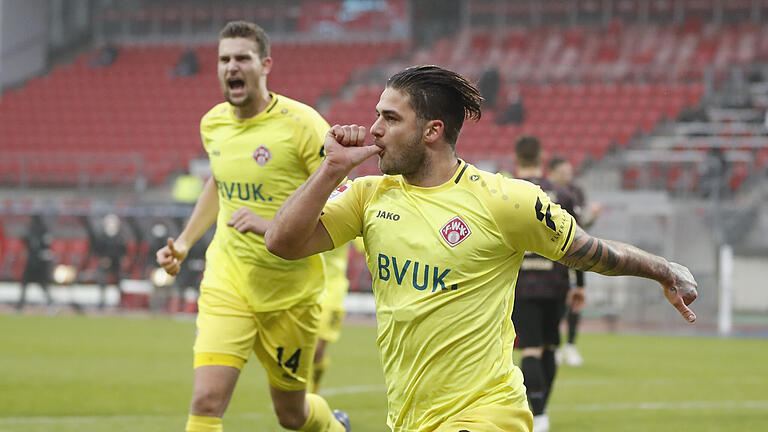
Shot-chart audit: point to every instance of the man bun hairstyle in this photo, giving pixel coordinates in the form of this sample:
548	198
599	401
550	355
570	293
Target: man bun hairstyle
247	30
439	94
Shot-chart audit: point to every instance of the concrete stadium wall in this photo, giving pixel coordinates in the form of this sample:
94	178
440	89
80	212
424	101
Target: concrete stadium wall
749	285
660	225
23	40
680	229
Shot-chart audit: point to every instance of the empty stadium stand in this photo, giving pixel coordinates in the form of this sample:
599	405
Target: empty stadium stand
132	121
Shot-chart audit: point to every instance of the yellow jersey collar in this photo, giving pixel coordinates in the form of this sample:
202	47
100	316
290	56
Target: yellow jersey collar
260	115
457	176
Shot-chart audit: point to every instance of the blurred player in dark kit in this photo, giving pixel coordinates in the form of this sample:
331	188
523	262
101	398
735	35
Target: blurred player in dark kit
540	296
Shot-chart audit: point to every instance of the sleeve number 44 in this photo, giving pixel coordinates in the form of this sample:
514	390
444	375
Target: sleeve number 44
292	362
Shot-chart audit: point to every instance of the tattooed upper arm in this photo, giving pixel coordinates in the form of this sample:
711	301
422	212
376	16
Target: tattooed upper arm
612	258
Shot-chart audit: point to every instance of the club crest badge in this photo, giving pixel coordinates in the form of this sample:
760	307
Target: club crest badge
455	231
262	155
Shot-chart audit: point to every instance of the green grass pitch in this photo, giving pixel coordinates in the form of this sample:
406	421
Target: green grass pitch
129	374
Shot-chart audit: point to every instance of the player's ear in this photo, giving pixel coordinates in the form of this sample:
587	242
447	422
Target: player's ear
266	64
434	130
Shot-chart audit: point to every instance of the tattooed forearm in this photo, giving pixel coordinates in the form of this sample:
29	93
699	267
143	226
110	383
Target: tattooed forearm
613	258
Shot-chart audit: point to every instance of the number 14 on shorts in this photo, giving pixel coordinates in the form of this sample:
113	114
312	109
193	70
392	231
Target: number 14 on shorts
293	360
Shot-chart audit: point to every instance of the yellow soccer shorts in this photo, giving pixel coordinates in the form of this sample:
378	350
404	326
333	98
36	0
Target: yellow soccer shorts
330	323
284	341
516	418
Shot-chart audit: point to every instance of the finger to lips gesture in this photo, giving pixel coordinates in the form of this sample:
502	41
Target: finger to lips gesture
345	145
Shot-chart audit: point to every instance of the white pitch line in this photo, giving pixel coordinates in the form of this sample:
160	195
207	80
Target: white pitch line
84	419
662	406
646	406
109	418
583	382
334	391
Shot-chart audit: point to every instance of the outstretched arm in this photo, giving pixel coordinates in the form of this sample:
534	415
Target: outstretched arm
203	216
296	231
613	258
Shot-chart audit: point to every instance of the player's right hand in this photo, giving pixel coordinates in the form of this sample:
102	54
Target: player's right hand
170	256
681	291
345	147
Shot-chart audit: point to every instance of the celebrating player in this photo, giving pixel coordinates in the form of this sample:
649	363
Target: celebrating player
444	242
262	146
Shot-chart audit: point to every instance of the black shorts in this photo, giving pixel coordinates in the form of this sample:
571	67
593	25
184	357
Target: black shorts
537	321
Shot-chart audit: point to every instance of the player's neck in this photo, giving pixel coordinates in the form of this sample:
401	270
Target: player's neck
529	172
438	168
259	104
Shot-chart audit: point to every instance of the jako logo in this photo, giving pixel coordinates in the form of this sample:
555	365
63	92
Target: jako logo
388	215
455	231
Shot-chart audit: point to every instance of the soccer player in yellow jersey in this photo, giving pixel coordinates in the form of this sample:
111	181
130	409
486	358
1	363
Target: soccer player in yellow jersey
262	146
444	242
332	315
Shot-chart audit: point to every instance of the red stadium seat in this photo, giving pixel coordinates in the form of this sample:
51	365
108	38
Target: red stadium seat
136	106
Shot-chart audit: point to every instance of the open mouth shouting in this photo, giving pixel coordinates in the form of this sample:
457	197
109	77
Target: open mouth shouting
236	87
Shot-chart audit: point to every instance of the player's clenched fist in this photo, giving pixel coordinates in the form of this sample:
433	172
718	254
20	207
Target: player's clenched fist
349	135
170	256
345	146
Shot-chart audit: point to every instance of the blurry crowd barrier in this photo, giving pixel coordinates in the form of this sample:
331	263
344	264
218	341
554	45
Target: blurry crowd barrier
107	246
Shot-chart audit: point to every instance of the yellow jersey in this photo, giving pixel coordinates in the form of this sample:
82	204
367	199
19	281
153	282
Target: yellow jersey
444	261
336	282
257	163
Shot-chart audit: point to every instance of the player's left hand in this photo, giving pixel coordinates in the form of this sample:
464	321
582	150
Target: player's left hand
244	220
681	291
576	298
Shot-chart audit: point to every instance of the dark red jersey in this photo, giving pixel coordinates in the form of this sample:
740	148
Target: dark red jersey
540	277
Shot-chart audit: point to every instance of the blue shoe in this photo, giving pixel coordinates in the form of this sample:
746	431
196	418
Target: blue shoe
343	418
